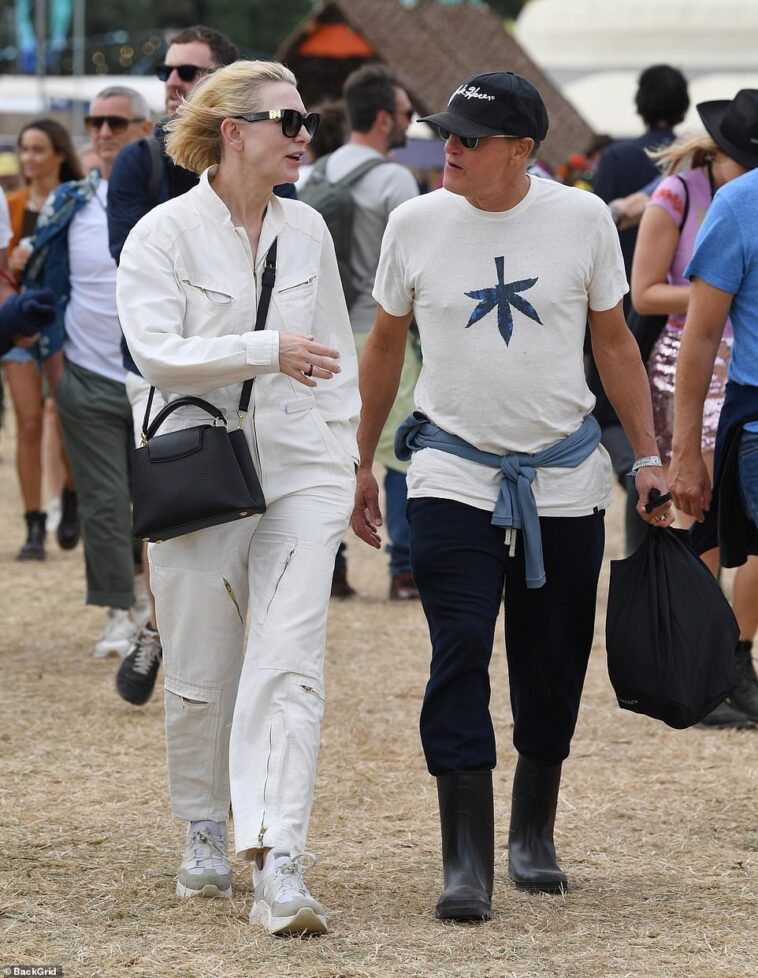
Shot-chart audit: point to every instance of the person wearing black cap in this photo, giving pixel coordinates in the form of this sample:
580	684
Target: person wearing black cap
508	483
723	276
696	168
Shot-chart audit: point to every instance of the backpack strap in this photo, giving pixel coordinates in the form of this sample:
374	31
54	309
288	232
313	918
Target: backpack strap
156	169
360	171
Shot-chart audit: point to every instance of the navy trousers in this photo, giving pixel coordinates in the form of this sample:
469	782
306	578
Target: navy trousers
461	567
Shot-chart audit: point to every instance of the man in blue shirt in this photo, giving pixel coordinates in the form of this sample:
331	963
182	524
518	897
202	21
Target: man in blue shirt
724	283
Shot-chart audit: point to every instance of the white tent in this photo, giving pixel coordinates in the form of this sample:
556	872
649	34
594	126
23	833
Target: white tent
595	50
28	94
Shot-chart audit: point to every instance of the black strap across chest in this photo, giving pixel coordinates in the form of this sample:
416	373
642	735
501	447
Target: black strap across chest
268	279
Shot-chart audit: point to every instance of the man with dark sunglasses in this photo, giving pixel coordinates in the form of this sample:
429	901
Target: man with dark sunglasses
71	257
508	482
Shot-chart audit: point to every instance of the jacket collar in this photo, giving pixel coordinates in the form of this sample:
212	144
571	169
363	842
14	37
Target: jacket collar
209	204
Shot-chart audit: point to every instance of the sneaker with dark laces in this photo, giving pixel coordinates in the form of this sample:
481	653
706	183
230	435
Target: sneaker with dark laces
282	903
205	870
135	679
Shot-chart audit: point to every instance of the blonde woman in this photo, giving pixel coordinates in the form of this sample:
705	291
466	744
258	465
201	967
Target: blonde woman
695	168
243	715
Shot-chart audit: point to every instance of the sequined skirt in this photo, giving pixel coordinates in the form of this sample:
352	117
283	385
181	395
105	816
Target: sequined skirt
661	373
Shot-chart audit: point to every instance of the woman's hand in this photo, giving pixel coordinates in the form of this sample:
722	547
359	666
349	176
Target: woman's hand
17	261
305	360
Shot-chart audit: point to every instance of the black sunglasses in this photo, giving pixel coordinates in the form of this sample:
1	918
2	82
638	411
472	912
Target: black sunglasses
471	142
292	121
187	73
116	123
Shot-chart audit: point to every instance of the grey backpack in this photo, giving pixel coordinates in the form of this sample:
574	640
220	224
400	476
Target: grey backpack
336	205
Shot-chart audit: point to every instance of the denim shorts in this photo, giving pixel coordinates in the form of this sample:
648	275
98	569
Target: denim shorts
749	473
17	354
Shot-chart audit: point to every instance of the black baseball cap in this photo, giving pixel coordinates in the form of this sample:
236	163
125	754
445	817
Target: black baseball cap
733	125
495	104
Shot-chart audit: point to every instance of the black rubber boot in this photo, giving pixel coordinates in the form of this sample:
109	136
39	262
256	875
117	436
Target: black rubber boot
531	851
34	547
69	530
744	696
468	845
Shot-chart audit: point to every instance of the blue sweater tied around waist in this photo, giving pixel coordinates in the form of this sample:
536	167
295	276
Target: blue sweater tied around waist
516	508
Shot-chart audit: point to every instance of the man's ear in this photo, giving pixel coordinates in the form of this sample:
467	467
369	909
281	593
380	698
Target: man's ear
522	148
147	127
231	133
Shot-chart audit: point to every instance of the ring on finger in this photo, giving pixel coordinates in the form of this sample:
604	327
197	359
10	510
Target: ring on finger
308	372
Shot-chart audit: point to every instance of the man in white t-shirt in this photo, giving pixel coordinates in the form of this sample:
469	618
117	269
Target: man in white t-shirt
71	256
508	482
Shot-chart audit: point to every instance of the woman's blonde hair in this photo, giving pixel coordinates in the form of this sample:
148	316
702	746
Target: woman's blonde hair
684	154
194	136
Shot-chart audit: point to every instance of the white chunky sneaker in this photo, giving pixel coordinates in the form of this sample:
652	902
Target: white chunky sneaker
281	901
205	869
118	635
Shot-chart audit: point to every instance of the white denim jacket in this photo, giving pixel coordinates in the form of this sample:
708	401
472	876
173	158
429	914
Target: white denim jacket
187	299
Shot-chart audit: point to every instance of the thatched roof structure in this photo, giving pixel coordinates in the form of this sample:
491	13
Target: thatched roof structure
432	47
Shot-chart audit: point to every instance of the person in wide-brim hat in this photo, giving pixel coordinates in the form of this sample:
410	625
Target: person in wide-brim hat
696	168
733	125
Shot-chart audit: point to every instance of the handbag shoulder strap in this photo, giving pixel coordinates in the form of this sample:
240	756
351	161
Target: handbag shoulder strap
267	284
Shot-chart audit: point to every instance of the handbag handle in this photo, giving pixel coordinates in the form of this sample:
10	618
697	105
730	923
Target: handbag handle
267	284
187	401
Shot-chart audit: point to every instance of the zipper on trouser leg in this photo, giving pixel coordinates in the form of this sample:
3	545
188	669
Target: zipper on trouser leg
233	596
287	562
269	773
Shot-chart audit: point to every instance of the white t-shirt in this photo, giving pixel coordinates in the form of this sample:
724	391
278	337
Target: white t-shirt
376	195
513	379
5	222
93	332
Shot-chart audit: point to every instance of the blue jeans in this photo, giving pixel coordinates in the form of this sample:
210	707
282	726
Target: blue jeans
460	566
399	547
749	473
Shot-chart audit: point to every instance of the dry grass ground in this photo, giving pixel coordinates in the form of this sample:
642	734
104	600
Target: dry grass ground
656	828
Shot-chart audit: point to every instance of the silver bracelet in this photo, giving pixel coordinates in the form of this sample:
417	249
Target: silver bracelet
641	463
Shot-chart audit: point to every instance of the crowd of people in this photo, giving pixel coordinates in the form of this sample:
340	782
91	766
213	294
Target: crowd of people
472	340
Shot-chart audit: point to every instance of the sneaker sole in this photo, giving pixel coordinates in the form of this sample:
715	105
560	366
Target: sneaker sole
305	921
208	891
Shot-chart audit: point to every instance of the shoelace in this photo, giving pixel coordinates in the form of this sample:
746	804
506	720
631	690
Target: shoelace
148	652
201	860
290	874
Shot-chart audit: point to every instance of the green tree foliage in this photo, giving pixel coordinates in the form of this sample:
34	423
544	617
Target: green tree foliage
256	26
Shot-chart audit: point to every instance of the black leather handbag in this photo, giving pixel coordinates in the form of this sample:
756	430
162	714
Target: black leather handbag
202	476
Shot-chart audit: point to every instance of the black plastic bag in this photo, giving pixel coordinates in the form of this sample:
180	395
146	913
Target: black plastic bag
670	633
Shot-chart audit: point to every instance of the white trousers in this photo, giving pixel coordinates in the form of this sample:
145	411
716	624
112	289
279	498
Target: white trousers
243	719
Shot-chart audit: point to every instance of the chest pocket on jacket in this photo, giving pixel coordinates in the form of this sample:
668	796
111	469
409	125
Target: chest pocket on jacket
295	302
205	292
